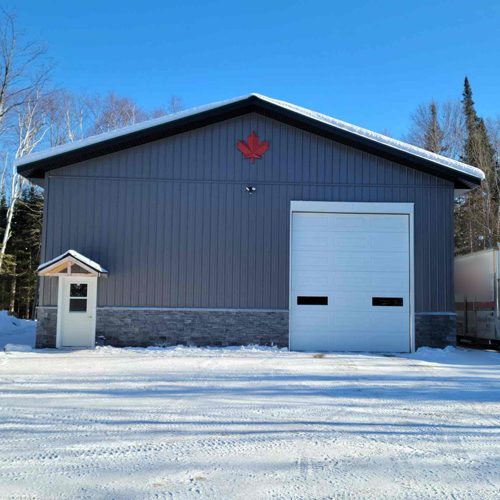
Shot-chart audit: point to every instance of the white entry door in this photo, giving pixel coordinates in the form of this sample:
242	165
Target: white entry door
350	282
76	311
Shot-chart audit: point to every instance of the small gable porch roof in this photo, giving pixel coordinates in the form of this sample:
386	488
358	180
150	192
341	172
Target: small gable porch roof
71	262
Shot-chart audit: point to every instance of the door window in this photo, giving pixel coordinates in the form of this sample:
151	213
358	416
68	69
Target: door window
78	297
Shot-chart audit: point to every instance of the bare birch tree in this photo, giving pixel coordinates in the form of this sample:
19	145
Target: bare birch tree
112	112
69	116
23	73
175	104
493	127
23	69
450	133
32	126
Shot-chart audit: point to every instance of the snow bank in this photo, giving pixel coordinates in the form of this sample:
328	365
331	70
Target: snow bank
456	356
14	331
192	351
17	348
447	356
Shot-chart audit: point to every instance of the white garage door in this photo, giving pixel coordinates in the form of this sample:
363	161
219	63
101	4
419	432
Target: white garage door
350	282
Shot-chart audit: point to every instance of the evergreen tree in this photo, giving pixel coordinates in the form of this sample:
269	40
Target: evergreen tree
477	224
478	150
24	249
470	114
4	279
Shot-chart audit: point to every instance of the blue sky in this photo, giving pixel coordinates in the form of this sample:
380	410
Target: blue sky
369	63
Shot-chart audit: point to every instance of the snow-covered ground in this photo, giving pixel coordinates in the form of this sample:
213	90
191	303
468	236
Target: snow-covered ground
16	331
248	423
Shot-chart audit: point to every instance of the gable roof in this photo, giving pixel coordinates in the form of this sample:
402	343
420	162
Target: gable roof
35	165
78	257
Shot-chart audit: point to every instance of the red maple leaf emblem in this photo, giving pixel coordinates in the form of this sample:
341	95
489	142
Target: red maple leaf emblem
253	149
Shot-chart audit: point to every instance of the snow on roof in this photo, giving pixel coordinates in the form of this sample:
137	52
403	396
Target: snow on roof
76	255
380	138
328	120
96	139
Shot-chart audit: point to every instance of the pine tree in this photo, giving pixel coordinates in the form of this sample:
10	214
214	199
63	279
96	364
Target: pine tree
24	247
470	116
477	224
4	279
478	150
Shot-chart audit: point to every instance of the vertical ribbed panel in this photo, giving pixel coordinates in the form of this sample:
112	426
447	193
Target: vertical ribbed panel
173	224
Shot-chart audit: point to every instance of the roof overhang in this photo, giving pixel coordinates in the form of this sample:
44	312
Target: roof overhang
36	165
71	263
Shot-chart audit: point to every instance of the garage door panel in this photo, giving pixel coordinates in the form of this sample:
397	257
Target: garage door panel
313	320
376	283
311	292
310	340
312	222
313	240
313	279
351	322
349	281
365	261
391	242
390	282
352	302
388	223
389	322
349	241
355	241
349	301
391	262
351	222
372	242
309	259
363	341
344	261
390	301
343	222
373	282
367	342
351	259
362	302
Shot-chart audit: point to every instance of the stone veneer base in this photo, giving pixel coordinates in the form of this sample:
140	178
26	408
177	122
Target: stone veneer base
435	330
164	327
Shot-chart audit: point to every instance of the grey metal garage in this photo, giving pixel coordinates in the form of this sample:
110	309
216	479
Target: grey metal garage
191	216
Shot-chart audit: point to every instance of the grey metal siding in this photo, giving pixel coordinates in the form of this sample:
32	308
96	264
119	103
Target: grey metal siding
172	223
